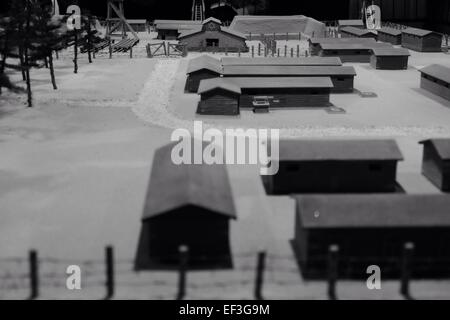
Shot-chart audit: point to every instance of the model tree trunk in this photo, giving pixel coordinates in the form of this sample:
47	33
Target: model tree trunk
75	58
52	70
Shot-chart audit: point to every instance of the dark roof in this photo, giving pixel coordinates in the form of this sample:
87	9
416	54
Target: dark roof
288	70
270	83
223	29
204	62
437	71
340	40
374	211
173	186
218	83
418	32
339	150
354	46
390	31
350	23
176	24
357	31
442	147
316	61
389	52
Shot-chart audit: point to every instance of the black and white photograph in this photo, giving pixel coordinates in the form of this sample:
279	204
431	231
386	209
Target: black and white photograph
225	150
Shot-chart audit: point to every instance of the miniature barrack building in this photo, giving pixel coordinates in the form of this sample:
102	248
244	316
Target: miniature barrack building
436	162
389	58
421	40
335	166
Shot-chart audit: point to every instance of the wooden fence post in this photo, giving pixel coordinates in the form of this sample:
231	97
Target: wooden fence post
253	51
278	52
131	53
34	274
408	251
259	49
184	260
239	52
298	51
333	257
110	49
259	279
292	52
109	259
285	50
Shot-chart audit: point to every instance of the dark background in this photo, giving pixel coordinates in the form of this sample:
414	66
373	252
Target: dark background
434	14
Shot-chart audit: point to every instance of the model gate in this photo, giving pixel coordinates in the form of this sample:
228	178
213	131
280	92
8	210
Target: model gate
167	50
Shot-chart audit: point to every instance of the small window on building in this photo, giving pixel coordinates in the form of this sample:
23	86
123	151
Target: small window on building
375	167
340	79
212	42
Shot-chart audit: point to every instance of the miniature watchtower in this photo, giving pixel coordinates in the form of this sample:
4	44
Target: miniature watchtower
198	10
116	23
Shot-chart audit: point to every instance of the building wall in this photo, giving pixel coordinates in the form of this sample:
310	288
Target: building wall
219	102
287	98
435	86
431	43
362	247
206	234
362	56
389	63
384	37
432	166
197	42
335	177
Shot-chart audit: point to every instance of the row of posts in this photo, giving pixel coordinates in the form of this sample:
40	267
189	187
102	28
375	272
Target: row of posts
333	272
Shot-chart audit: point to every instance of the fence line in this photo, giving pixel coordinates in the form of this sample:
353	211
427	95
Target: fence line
265	267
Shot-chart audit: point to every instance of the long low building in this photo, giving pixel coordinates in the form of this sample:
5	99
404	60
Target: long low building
435	78
314	43
351	52
282	61
342	77
335	166
373	230
353	32
225	96
390	58
421	40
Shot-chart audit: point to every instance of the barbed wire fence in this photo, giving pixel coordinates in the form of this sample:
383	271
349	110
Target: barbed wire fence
21	277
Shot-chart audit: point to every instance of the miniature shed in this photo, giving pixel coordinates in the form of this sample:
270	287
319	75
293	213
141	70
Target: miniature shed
201	68
436	162
390	35
389	59
436	79
373	230
421	40
335	166
218	98
353	32
212	36
187	205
